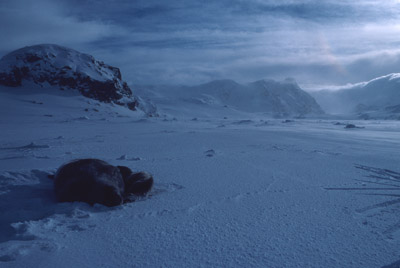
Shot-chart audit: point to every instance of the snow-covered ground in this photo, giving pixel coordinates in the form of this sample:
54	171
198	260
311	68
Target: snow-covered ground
232	189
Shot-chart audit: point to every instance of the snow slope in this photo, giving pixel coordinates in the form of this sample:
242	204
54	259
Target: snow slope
277	99
244	191
378	98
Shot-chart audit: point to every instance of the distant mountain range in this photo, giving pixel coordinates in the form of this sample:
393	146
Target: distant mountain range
276	98
67	69
375	99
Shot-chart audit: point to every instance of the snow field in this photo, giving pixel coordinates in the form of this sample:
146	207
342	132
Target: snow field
255	192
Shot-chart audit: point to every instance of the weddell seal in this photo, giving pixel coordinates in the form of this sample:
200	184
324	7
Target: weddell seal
96	181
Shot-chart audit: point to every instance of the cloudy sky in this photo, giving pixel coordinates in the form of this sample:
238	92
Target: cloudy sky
317	42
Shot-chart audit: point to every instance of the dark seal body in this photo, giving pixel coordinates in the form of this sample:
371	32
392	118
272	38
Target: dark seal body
91	181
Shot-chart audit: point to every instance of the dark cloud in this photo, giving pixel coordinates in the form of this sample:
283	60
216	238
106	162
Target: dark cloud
32	22
188	41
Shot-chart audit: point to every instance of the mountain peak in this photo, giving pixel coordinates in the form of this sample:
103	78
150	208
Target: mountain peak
264	83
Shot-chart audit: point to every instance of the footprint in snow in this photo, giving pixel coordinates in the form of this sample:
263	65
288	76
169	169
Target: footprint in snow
210	153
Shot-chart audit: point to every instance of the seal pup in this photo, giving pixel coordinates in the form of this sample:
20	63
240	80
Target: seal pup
91	181
95	181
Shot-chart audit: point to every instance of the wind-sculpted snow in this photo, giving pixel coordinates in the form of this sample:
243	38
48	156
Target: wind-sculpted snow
65	69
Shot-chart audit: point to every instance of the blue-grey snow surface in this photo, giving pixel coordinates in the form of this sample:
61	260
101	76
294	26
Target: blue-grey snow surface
232	189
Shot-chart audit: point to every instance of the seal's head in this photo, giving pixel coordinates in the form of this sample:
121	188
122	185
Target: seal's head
139	183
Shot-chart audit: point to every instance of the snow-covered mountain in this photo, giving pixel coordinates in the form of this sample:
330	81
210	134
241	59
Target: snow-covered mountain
65	68
279	99
378	98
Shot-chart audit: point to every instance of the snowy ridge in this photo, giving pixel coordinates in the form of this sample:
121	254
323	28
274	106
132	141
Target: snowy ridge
276	98
66	69
377	98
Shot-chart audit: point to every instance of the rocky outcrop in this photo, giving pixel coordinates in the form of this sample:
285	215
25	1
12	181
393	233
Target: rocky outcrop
67	69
